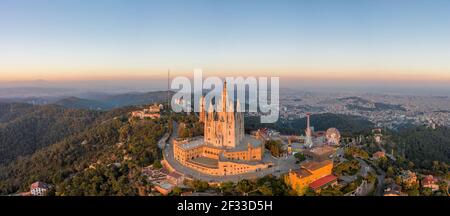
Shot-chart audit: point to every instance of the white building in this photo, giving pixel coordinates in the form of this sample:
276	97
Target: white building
39	189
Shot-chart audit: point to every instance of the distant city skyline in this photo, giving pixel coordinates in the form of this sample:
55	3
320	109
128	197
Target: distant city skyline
324	42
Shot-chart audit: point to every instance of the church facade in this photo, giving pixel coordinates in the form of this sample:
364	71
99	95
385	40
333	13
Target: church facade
224	149
224	128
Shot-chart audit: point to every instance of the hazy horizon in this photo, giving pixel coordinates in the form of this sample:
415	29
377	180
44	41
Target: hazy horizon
150	85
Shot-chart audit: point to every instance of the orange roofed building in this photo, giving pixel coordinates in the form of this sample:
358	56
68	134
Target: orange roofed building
311	172
379	155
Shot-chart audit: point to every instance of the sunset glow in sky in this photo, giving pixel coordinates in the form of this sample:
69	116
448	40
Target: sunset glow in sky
396	40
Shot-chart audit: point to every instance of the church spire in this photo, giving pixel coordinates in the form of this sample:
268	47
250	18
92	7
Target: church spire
238	106
202	109
224	97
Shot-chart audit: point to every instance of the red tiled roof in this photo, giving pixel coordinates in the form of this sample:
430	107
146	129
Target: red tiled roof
38	185
379	154
428	180
322	181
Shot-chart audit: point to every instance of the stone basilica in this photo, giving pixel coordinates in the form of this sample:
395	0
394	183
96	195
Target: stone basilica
224	149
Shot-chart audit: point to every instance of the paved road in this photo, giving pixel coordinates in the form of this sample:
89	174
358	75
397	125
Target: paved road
281	165
363	171
380	178
163	141
365	168
380	174
380	186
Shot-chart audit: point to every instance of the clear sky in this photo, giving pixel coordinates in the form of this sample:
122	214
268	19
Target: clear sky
351	40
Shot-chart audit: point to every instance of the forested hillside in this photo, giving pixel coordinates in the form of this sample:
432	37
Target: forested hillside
26	128
11	111
108	102
344	123
104	159
424	145
79	103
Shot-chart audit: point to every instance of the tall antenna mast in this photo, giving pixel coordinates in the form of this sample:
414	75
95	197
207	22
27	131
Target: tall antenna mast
168	88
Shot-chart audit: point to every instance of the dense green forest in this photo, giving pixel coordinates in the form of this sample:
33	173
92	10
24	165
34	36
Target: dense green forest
26	128
424	145
346	124
117	170
111	149
189	126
